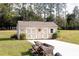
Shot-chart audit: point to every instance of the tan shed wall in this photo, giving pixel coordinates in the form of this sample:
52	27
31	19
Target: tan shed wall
34	33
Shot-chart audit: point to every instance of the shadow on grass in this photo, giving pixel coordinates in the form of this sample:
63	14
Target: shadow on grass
28	53
5	39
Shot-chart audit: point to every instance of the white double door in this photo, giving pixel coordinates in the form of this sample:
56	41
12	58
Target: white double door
34	33
42	34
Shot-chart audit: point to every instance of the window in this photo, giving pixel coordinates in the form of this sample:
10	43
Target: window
51	30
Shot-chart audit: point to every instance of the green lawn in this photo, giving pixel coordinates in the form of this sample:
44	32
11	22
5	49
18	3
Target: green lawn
69	36
10	47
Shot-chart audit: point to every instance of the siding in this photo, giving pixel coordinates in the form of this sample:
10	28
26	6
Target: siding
34	33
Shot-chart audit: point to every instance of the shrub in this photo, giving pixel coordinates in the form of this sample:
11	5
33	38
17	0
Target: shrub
55	35
59	28
22	36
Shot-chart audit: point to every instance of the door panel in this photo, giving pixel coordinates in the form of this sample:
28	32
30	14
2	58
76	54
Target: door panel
43	33
44	36
33	33
28	31
33	36
39	35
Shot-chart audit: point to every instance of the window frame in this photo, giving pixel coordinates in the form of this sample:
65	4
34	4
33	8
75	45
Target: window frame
51	31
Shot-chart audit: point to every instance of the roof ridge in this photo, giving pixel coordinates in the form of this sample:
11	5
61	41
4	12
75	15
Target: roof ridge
37	23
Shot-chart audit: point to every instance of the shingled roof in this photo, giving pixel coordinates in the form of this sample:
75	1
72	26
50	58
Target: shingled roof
36	24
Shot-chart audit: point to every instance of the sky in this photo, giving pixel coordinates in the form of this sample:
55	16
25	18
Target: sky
70	6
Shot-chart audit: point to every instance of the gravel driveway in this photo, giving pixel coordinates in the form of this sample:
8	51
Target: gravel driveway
64	48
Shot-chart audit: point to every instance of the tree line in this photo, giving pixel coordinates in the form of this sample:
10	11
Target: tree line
10	13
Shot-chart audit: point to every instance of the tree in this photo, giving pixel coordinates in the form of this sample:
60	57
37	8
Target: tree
45	9
23	12
38	9
60	22
70	20
50	8
76	11
6	14
59	8
50	18
6	10
60	13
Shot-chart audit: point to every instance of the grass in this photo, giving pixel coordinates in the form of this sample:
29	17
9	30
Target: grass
6	33
71	36
10	47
